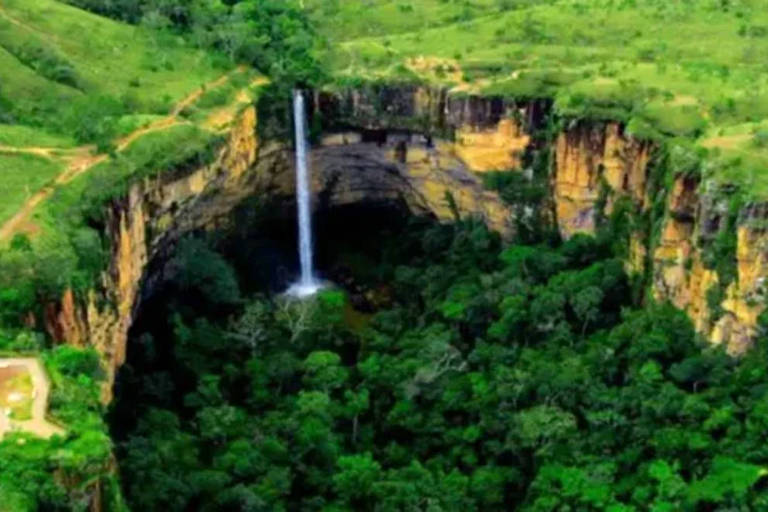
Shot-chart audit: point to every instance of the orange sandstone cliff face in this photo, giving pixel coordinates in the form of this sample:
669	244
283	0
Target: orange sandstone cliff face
407	168
495	148
587	159
745	296
597	164
486	134
152	216
680	276
594	164
147	222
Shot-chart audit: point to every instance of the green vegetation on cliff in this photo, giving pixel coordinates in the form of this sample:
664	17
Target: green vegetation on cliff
88	106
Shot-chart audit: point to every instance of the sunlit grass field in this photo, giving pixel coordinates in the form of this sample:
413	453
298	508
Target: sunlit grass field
667	69
56	60
106	57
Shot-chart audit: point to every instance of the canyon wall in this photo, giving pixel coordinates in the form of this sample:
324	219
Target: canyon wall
726	312
595	164
407	168
485	134
144	226
426	150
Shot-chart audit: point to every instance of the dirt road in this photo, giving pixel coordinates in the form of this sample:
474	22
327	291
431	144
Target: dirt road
83	159
38	425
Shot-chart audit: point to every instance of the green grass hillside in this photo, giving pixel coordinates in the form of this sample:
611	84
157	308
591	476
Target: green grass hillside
69	77
74	56
75	86
694	70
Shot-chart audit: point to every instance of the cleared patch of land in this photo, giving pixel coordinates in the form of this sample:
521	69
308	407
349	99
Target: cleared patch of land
24	390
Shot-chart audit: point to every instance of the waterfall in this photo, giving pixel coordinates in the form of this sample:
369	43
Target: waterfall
307	284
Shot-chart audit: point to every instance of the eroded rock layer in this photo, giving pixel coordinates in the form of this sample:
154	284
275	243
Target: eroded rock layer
593	164
145	224
425	148
724	312
425	174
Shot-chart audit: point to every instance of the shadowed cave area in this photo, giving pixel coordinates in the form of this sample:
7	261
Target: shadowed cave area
213	274
260	246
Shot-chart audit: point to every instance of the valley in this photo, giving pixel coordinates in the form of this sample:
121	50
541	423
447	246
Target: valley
541	229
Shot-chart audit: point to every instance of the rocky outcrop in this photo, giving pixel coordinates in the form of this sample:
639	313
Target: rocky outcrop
597	163
679	274
486	134
144	225
492	149
594	163
693	219
745	297
421	173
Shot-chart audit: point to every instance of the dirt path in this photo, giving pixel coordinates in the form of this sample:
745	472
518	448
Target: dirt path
219	119
82	159
38	425
189	100
37	151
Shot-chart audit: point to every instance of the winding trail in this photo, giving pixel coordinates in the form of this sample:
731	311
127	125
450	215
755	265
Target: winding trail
41	386
33	150
81	159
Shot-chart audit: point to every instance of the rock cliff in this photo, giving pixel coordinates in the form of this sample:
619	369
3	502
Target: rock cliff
595	163
418	146
144	226
726	312
405	167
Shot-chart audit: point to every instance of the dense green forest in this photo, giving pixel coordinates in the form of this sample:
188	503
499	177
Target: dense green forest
472	375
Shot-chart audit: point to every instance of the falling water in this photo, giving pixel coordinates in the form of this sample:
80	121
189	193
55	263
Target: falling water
307	284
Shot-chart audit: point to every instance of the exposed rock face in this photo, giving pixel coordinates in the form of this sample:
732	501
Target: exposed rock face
745	297
493	149
487	134
678	272
680	275
598	163
146	224
588	158
414	145
408	168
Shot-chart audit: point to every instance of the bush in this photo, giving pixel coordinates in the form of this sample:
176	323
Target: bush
74	362
760	138
42	58
92	119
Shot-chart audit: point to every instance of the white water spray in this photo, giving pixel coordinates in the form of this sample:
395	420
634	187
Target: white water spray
307	284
